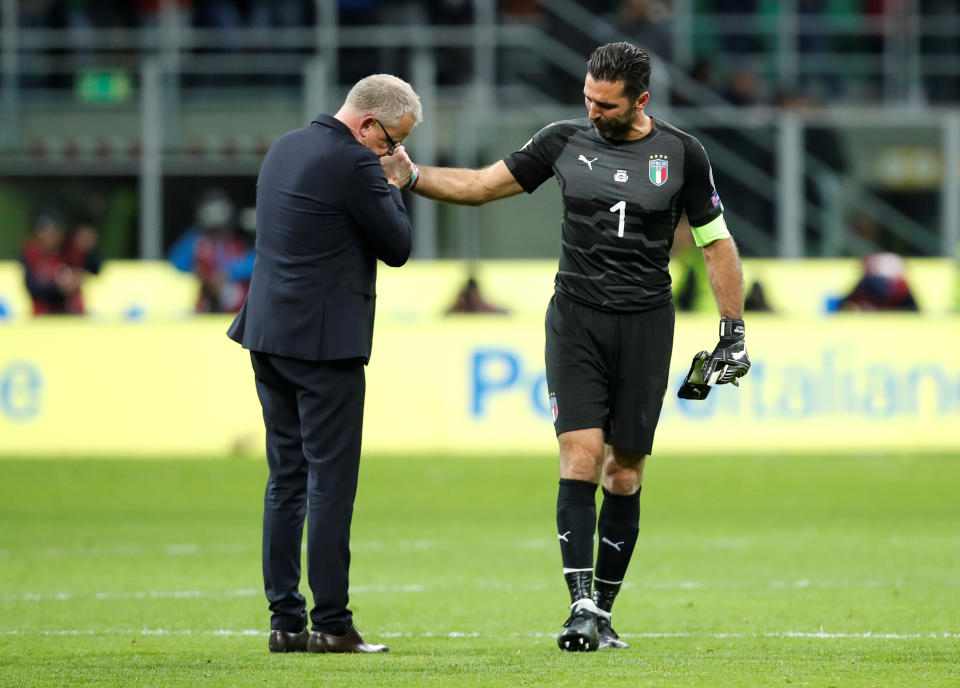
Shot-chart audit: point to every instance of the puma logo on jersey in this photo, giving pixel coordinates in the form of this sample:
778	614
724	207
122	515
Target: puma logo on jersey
564	536
589	162
615	545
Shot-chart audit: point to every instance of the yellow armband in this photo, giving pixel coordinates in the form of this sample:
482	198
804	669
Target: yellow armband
710	232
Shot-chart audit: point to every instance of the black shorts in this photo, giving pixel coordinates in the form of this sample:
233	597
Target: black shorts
608	370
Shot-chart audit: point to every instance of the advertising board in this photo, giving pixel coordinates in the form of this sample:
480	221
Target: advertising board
476	384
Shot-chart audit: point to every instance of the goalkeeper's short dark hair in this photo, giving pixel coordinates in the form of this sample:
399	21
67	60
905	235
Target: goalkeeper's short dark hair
621	62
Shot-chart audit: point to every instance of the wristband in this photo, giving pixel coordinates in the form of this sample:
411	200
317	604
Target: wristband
731	327
414	177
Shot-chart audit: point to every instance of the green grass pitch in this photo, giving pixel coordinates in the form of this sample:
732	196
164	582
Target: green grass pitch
765	571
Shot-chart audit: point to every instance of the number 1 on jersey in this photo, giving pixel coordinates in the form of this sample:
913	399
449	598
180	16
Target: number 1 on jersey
620	207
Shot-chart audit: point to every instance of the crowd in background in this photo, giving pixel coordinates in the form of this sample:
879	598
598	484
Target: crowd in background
739	64
234	13
217	247
56	262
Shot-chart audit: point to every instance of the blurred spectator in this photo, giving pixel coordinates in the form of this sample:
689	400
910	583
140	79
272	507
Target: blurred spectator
735	43
35	14
874	40
265	13
941	88
646	23
520	66
217	14
812	41
454	64
703	73
76	17
223	18
872	13
356	63
883	286
214	207
519	9
54	268
82	250
817	44
448	12
150	11
756	299
219	255
103	15
743	88
470	300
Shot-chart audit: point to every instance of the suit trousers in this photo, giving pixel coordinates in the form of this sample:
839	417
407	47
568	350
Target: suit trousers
313	413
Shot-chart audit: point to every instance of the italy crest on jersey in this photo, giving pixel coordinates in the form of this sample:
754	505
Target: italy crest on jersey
659	168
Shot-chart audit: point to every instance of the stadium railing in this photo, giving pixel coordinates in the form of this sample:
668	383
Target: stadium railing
182	112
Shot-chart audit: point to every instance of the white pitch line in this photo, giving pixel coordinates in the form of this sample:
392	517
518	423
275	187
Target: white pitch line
174	550
800	584
185	594
546	542
869	635
188	549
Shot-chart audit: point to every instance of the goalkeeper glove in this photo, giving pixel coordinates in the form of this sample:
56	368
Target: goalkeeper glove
729	359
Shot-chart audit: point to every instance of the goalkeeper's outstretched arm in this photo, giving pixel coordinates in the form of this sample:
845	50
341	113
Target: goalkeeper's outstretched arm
467	187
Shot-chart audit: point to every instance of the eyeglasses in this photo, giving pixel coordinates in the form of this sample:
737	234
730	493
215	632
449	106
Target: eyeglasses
390	142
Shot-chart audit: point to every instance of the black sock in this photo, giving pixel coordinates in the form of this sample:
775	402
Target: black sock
617	529
576	523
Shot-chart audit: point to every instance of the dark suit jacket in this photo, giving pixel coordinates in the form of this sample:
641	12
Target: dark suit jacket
325	214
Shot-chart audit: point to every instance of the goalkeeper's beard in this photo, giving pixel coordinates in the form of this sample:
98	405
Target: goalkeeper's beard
615	128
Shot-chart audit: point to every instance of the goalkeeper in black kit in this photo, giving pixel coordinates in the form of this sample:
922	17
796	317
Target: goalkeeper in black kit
626	179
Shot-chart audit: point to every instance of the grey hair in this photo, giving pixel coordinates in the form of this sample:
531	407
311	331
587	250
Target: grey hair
386	97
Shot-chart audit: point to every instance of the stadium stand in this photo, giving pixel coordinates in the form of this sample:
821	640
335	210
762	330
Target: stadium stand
146	94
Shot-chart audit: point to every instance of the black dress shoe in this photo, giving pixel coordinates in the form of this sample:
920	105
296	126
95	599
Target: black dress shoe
348	642
284	641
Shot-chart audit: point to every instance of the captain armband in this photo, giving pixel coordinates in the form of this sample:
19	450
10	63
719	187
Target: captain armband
710	232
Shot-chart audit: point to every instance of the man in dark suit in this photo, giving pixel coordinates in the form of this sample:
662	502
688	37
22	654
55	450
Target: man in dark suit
327	210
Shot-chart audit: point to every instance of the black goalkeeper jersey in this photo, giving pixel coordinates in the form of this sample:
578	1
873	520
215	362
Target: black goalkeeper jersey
621	204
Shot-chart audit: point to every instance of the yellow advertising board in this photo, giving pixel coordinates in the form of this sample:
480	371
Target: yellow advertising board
476	384
156	291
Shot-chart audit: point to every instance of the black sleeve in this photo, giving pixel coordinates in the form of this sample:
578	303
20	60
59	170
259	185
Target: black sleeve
378	209
700	197
532	165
